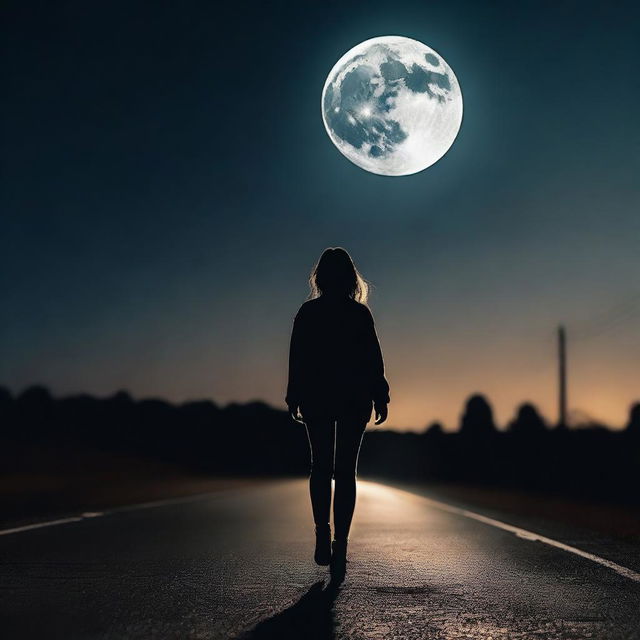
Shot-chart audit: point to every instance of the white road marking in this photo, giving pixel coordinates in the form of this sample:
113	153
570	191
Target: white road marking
530	536
163	503
39	525
88	515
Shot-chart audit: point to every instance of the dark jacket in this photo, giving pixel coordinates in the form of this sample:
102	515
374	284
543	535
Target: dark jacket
335	357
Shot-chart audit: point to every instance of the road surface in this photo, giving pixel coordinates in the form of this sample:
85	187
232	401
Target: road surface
238	564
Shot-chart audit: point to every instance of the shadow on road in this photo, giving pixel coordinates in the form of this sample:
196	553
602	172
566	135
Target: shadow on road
311	617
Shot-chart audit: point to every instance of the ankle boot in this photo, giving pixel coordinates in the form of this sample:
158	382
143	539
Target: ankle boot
338	559
322	554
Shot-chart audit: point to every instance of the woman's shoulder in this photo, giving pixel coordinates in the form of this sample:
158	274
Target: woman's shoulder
307	307
360	312
361	308
351	306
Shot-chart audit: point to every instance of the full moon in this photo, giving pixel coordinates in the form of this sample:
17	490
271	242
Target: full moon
392	106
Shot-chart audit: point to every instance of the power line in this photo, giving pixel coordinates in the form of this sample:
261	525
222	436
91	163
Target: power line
613	319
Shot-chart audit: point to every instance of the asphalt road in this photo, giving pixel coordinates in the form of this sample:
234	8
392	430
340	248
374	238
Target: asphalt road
238	563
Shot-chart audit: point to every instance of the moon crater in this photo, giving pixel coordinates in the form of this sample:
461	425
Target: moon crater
392	106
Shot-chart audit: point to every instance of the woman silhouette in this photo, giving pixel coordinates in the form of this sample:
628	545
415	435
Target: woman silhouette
336	373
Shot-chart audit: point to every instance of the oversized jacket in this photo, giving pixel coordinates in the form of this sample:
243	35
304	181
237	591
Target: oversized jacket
335	357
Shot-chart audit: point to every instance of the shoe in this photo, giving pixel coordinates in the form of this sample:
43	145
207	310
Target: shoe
322	554
338	560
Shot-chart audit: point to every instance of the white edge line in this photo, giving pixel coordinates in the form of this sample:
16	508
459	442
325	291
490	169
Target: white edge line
89	515
443	506
92	515
40	525
530	536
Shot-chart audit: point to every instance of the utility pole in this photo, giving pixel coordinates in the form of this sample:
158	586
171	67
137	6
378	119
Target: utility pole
562	378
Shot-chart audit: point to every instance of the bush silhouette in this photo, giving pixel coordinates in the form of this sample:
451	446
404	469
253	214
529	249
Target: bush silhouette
528	422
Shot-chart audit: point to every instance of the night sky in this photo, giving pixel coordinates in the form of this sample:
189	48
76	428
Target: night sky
167	184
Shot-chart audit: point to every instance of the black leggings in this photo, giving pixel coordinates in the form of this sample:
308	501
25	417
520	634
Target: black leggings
335	444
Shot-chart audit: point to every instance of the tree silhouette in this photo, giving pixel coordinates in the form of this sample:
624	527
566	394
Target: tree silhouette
39	433
633	426
477	419
35	408
528	421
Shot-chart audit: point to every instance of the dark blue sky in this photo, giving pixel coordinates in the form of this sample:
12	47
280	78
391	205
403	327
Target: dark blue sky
167	184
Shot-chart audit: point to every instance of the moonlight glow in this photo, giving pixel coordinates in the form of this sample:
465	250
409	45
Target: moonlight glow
392	106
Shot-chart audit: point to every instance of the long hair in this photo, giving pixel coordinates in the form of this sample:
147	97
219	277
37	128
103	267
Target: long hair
335	274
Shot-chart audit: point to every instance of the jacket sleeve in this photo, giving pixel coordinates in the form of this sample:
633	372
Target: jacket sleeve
294	385
379	384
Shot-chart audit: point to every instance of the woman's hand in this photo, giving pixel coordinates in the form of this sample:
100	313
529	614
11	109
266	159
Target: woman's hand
381	413
294	412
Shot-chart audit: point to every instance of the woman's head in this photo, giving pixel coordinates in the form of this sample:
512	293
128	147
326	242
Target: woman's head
336	275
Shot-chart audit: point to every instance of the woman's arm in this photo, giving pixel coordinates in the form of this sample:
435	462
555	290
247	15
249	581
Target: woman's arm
295	367
379	384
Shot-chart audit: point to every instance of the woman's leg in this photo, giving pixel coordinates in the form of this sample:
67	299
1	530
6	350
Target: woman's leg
348	439
321	433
